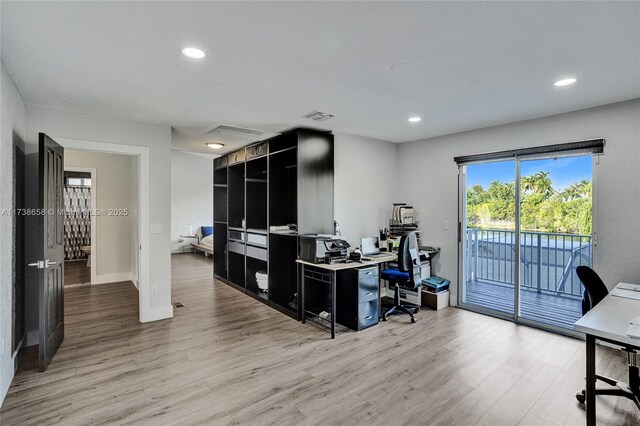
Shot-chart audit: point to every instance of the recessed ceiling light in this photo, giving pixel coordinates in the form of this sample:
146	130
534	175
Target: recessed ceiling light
565	82
414	119
192	52
215	145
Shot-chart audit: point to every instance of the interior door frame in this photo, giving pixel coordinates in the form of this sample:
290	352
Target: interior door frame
94	197
462	220
146	313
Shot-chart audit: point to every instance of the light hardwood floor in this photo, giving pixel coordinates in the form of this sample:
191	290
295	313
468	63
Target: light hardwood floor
227	359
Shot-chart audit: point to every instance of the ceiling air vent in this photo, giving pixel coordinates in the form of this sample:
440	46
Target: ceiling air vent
318	116
224	128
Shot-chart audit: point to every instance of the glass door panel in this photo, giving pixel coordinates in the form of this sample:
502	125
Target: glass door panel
555	224
489	236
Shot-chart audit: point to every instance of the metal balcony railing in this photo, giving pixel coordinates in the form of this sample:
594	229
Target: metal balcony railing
547	260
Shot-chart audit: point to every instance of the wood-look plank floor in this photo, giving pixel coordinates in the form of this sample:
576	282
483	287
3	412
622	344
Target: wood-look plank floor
227	359
77	272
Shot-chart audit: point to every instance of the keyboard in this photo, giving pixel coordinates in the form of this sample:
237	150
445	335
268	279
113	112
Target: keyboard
375	256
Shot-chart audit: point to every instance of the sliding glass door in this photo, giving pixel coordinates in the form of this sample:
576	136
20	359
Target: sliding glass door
489	208
526	224
555	238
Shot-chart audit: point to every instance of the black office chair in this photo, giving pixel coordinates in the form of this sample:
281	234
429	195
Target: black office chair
594	291
408	274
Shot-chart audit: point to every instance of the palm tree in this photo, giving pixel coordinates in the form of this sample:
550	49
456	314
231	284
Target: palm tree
538	183
582	189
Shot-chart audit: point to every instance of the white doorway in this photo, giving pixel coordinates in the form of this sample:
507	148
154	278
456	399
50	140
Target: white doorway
141	158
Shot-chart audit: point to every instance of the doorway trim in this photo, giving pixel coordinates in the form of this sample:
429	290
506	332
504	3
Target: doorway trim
94	194
146	313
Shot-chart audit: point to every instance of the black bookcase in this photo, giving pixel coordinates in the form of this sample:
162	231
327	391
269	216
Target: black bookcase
220	217
285	181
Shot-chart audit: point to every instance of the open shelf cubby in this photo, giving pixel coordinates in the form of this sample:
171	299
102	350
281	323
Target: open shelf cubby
220	250
256	187
283	188
220	176
257	265
220	204
283	280
236	195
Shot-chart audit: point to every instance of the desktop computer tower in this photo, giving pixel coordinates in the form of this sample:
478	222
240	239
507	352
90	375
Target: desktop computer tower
357	297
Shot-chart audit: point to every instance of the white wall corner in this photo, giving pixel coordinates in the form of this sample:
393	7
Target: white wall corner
156	314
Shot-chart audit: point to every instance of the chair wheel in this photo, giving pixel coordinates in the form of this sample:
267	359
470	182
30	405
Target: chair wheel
580	397
413	320
384	318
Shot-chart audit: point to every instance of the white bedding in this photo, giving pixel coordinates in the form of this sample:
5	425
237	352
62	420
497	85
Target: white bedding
207	241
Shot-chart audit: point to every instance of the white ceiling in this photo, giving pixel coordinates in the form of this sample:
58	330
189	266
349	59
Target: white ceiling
471	65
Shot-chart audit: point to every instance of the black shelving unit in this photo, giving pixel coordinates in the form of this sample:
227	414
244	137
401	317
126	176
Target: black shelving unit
287	180
220	217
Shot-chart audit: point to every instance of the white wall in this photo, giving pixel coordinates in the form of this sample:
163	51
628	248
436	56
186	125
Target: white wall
430	181
112	189
83	127
12	125
365	185
192	196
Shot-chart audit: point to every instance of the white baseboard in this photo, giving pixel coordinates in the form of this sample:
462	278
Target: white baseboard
112	278
156	314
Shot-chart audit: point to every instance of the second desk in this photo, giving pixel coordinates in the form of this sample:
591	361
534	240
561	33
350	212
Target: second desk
328	275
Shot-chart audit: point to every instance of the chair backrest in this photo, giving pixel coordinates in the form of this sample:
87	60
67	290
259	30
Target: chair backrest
409	258
595	289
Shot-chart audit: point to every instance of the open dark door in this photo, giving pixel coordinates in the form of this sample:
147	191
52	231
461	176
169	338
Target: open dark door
50	263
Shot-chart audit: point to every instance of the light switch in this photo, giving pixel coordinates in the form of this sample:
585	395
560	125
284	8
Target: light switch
156	228
445	225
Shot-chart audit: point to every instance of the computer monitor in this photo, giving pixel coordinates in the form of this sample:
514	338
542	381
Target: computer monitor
369	246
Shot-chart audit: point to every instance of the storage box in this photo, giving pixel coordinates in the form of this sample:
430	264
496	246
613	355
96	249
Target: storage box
435	301
435	284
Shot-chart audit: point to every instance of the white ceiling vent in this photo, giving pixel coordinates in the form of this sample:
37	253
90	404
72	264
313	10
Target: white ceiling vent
230	134
318	116
223	128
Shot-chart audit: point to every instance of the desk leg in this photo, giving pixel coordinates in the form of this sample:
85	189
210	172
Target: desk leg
590	392
333	304
381	266
302	311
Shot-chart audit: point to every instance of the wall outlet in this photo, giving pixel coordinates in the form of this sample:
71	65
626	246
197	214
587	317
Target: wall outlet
445	225
155	228
154	289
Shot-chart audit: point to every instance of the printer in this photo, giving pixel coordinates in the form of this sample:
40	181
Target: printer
322	249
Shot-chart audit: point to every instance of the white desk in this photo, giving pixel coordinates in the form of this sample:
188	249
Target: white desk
607	321
332	269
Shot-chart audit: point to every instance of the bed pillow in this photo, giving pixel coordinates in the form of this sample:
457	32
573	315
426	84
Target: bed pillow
206	230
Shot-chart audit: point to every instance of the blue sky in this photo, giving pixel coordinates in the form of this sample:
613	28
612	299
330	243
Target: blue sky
563	171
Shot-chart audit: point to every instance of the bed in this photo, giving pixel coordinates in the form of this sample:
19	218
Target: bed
205	245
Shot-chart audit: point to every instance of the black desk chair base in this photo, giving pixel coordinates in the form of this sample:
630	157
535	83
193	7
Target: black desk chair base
618	389
630	391
595	291
399	308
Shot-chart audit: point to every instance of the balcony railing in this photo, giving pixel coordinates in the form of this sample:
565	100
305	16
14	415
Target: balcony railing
547	260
